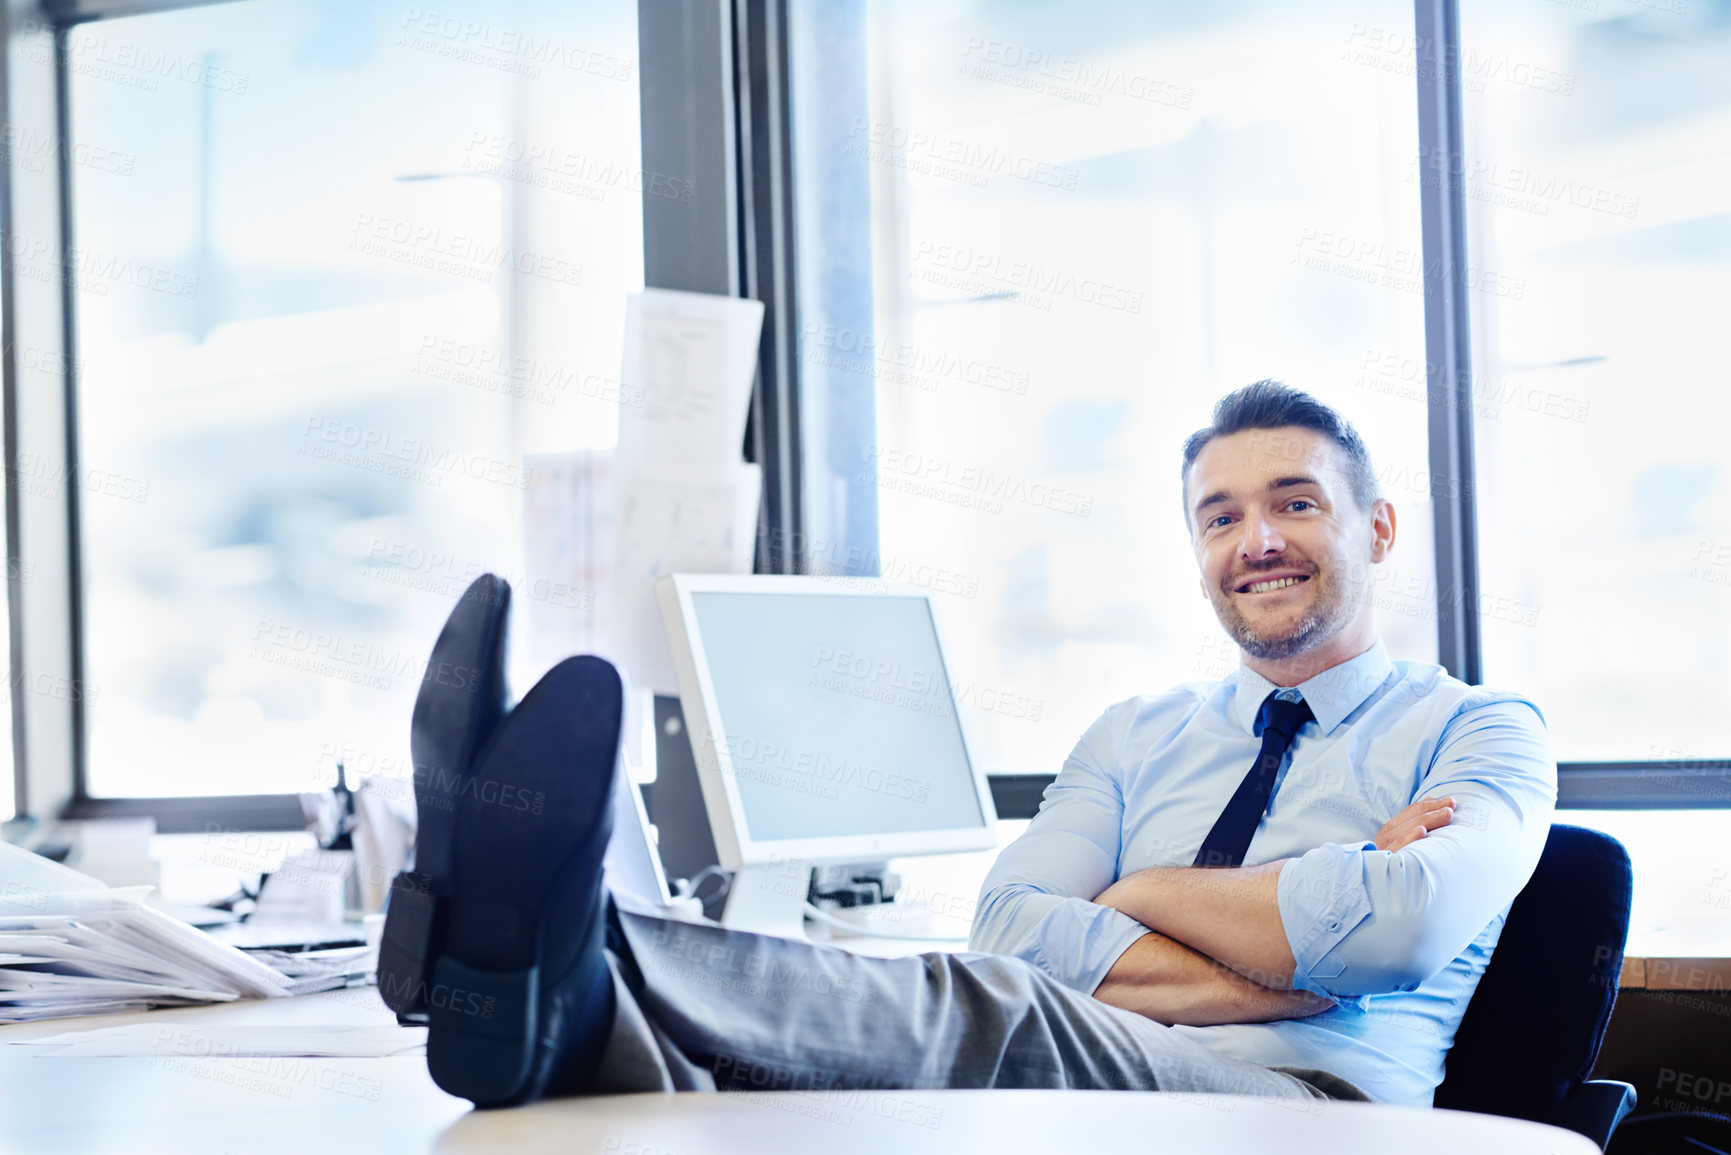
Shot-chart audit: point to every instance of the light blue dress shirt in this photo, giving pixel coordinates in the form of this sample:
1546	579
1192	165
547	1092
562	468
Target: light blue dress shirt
1400	939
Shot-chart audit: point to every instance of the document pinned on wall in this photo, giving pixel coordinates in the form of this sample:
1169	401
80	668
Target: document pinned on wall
673	519
569	509
685	503
690	359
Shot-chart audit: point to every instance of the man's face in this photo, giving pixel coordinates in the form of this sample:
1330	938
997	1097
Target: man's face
1271	506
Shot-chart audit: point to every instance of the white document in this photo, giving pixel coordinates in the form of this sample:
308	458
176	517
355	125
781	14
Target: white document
569	509
308	888
672	519
239	1041
691	359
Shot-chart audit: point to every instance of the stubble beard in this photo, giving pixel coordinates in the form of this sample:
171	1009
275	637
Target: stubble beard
1327	614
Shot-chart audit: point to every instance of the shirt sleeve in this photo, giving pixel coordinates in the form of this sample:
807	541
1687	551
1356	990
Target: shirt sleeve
1364	921
1036	903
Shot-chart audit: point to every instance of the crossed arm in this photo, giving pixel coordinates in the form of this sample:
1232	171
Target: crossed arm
1205	946
1218	952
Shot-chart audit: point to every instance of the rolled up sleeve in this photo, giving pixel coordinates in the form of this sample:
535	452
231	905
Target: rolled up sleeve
1036	903
1363	921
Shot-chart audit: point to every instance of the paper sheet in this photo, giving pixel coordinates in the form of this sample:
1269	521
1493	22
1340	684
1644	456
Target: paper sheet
569	510
693	356
673	519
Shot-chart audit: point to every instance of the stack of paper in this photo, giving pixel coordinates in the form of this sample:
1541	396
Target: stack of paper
71	946
322	970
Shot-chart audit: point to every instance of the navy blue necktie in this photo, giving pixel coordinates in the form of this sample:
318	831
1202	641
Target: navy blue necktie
1233	830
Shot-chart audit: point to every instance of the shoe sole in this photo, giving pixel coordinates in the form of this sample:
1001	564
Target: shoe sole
526	904
458	708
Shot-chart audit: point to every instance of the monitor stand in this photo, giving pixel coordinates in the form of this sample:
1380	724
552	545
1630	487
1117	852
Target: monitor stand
769	898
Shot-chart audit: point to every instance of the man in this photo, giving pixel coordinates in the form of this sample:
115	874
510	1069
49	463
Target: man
1343	910
1388	817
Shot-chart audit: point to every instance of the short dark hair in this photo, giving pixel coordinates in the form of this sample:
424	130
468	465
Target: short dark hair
1271	405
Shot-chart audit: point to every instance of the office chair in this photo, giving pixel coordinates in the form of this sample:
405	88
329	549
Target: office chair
1531	1033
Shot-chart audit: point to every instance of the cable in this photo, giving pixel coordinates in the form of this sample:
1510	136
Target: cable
687	887
812	910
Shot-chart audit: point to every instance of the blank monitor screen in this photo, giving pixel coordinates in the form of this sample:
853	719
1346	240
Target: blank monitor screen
838	714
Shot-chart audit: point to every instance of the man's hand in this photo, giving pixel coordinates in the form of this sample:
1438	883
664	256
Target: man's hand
1415	822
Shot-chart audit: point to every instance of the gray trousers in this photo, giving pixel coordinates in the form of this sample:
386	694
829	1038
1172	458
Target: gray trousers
717	1009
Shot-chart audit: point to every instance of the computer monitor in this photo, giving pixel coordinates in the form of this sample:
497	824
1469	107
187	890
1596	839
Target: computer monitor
823	721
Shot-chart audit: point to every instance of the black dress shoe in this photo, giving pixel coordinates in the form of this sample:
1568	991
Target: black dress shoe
460	705
520	998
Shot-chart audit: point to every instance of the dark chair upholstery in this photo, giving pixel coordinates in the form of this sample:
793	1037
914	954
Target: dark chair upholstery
1531	1033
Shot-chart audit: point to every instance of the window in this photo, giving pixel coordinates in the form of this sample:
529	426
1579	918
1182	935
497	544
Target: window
341	268
1599	198
1088	223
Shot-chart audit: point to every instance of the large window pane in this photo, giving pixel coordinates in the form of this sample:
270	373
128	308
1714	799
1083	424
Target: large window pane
344	266
1599	187
1089	222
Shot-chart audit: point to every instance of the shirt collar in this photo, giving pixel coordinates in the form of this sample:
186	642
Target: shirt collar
1332	694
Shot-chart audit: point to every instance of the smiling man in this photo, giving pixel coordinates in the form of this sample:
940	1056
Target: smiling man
1333	906
1309	927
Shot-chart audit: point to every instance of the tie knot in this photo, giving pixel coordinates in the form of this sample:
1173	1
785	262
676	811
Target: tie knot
1286	717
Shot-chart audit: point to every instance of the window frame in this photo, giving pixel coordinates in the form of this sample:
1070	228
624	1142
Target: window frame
716	109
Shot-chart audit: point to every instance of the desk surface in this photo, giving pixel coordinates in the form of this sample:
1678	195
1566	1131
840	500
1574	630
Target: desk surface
182	1106
1682	955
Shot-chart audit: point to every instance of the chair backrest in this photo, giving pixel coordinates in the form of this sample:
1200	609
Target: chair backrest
1532	1029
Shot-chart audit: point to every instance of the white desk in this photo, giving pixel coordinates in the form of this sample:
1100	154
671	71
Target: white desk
177	1106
